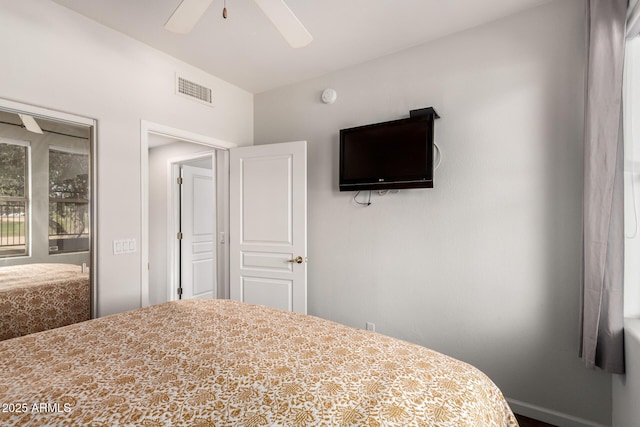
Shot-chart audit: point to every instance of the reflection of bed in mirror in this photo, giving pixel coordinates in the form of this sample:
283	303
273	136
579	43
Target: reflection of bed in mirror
37	297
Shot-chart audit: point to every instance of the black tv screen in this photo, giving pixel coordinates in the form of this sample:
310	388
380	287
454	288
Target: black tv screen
390	155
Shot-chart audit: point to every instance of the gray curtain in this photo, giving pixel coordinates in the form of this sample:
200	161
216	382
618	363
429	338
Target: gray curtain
602	339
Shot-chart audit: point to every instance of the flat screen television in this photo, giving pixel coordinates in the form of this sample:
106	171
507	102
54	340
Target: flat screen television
390	155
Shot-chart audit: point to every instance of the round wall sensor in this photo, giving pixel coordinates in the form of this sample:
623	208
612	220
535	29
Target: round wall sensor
329	96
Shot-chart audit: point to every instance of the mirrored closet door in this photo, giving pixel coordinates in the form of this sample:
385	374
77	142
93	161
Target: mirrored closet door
47	219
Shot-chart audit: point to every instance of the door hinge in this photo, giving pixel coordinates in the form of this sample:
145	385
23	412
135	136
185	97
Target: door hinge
180	291
179	180
180	236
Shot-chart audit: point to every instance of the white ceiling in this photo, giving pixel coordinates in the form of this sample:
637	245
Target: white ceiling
248	51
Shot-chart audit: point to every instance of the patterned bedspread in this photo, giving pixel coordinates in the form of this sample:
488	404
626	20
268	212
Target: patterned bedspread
36	297
224	363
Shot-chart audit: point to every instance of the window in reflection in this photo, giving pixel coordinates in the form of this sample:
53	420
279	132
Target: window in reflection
68	201
14	197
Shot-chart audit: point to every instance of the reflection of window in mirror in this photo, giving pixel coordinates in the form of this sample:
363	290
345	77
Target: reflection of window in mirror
68	201
14	197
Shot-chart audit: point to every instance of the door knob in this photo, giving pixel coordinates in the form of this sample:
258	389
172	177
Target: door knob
297	260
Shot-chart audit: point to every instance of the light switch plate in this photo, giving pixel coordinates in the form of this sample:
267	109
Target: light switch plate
124	246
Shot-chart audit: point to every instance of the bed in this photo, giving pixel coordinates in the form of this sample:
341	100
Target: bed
36	297
229	364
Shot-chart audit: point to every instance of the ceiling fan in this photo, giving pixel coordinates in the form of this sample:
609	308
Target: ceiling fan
189	12
30	123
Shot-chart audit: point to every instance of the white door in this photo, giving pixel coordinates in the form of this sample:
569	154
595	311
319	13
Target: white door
197	225
268	225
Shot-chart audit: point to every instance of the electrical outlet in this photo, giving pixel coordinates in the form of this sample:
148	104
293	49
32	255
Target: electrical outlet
371	326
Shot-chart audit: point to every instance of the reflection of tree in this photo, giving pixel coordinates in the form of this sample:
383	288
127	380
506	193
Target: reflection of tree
68	193
71	188
68	175
12	170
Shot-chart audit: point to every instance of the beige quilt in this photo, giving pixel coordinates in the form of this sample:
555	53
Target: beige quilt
225	363
37	297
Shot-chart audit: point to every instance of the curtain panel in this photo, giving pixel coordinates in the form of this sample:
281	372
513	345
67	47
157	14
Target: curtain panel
602	339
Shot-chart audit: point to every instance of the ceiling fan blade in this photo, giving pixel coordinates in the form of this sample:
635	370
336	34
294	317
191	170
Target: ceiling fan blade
30	123
286	22
187	15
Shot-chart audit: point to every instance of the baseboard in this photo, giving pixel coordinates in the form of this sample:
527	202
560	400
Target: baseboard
549	416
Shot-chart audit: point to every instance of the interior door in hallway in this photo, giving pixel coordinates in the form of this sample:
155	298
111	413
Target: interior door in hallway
197	226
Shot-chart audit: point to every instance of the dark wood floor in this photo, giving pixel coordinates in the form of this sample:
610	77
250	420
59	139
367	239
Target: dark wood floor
528	422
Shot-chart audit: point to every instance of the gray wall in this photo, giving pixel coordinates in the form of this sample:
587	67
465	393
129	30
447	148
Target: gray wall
486	266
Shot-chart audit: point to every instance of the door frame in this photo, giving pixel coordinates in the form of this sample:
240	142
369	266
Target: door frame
150	128
173	219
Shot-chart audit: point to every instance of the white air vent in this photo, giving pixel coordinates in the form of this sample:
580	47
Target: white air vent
193	90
